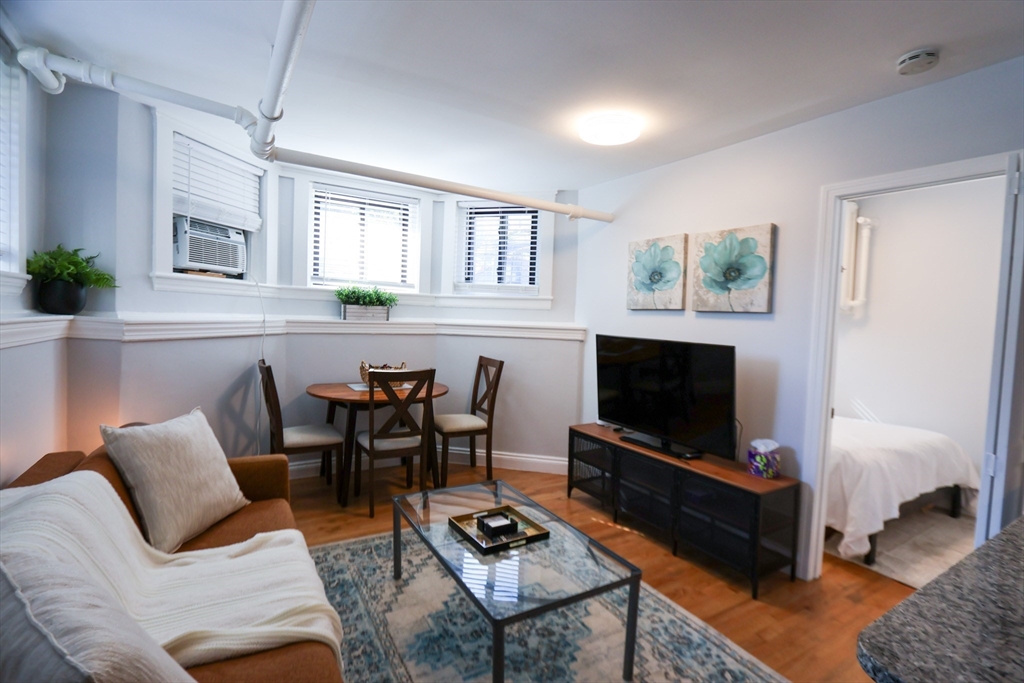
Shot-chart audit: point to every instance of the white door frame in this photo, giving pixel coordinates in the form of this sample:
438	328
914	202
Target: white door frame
820	387
998	477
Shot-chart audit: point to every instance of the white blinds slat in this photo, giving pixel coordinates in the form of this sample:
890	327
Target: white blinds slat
212	186
500	247
362	238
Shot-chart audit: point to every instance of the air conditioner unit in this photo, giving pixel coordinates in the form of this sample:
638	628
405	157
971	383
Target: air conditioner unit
205	246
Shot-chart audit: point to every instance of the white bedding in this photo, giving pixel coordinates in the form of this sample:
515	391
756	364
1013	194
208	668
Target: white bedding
873	467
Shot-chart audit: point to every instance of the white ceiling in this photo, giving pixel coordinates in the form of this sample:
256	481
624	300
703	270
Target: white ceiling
488	92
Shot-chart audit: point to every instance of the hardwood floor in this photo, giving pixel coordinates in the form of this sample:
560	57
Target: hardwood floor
807	631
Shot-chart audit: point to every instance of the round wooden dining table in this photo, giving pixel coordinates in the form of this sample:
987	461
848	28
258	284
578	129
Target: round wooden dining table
353	400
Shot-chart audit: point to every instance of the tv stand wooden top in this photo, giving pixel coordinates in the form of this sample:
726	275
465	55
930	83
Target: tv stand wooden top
724	470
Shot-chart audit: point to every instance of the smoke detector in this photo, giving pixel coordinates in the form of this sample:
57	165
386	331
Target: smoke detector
917	61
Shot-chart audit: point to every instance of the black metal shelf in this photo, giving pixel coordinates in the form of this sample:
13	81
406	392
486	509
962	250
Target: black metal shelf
747	524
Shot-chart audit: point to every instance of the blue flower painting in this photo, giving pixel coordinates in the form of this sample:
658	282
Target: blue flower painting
656	273
654	269
734	270
732	264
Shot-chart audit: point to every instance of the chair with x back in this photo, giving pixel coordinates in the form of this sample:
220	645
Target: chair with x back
404	433
485	393
302	438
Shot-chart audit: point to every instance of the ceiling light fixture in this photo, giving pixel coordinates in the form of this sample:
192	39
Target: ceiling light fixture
611	128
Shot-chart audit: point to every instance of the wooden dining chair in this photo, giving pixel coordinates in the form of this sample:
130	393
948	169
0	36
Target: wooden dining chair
485	393
404	433
302	438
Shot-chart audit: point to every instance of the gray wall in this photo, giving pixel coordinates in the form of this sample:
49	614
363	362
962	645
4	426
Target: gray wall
153	381
778	178
33	400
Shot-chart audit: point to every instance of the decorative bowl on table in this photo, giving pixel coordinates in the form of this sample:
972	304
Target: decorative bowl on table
364	371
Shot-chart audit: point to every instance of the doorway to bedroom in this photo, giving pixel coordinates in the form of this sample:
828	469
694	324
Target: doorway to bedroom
915	331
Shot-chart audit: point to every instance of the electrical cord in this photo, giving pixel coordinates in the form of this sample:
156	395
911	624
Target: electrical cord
739	438
259	400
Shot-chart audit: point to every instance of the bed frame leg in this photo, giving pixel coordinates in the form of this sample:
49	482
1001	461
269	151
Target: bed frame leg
956	507
869	559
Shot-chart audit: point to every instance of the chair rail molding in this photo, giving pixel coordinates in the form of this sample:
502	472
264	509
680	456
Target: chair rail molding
33	329
131	327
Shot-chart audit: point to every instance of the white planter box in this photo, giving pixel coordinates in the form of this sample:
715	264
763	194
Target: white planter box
365	312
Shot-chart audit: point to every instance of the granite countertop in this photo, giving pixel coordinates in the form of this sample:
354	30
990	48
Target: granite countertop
966	625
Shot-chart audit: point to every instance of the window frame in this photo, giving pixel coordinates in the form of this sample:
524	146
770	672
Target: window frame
414	240
450	292
301	231
463	213
260	267
13	279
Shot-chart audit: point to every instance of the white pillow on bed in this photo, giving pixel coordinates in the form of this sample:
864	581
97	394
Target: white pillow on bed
177	475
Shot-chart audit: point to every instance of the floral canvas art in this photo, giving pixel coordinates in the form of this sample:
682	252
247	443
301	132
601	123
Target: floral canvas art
731	270
656	274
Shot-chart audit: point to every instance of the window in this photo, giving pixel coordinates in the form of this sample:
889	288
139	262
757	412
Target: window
216	203
499	248
10	159
215	187
360	236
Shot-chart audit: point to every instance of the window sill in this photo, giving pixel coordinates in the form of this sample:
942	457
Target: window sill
509	301
12	284
198	284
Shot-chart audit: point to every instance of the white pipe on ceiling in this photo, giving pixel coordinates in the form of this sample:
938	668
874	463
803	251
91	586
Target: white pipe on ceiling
54	67
291	156
291	31
50	71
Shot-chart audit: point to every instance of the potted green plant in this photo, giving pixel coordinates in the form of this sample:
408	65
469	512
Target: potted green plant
361	303
63	277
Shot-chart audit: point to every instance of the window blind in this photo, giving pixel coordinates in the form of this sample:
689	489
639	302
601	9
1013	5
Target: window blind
10	159
215	187
500	246
363	237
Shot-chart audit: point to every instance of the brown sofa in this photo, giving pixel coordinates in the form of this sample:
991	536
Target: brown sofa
264	481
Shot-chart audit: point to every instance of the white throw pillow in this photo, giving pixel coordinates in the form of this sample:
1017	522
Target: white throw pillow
178	476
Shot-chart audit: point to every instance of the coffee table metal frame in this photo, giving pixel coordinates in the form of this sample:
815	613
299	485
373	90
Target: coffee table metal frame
498	625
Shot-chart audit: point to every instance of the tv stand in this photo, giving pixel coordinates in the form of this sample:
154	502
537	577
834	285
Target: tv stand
667	447
711	504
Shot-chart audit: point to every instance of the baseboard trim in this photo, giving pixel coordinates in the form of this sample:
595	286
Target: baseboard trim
309	466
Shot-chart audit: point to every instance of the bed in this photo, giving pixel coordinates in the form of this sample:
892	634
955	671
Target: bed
874	467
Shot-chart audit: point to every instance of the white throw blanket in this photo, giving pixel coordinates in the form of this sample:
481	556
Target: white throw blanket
202	605
874	467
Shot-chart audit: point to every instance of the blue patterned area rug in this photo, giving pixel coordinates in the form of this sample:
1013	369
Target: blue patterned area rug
423	628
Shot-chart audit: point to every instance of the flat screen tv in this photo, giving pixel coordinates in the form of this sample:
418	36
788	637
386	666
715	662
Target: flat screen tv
680	393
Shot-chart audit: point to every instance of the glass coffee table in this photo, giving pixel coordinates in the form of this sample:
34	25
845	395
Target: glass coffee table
516	584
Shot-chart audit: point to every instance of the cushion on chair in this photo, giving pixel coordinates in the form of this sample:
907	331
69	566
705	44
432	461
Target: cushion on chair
388	444
460	422
311	436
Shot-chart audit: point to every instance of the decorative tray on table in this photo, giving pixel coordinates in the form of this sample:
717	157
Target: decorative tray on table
497	529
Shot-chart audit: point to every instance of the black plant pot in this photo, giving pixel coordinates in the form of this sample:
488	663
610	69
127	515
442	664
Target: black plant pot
61	297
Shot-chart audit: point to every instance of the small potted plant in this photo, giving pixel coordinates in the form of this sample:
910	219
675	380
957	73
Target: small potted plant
63	277
360	303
